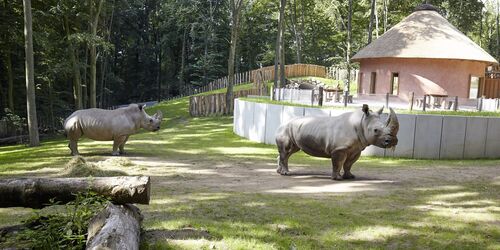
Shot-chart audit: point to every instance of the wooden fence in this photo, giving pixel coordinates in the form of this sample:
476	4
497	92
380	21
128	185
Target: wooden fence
257	76
490	88
206	105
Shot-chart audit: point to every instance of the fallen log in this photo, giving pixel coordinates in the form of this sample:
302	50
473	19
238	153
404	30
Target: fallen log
38	192
13	139
115	227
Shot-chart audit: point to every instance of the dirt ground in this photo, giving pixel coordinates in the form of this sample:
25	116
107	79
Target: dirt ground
261	177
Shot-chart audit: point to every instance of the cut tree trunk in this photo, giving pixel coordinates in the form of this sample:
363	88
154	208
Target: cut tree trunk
115	227
37	192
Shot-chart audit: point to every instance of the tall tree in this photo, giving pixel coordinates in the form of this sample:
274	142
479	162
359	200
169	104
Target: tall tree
296	28
282	43
372	17
498	30
348	52
94	21
386	13
77	82
279	61
30	80
235	9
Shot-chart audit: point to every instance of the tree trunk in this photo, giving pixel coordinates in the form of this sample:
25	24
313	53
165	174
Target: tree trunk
370	25
348	53
481	28
282	43
295	28
279	59
386	13
10	81
37	192
183	57
30	79
51	108
235	6
77	82
498	31
376	18
159	73
93	52
115	227
85	92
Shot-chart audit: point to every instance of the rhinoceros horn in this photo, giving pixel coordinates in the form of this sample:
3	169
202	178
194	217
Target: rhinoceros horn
392	122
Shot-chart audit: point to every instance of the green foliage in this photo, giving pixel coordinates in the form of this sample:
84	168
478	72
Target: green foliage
157	48
14	122
64	230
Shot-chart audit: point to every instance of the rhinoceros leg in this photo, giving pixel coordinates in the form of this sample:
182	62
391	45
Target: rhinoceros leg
117	142
338	160
348	164
122	151
286	149
73	135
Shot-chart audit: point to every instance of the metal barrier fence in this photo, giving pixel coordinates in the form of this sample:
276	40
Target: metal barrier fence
420	136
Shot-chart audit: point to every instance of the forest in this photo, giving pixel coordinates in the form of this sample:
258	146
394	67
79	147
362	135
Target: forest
100	53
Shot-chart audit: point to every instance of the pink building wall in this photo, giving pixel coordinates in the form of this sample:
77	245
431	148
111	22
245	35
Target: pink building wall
451	75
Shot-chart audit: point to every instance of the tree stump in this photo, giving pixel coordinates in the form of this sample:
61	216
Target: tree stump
115	227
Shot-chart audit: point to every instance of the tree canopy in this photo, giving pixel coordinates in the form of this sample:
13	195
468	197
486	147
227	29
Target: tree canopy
152	49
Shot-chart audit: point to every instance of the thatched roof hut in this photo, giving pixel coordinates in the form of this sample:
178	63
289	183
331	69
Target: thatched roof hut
424	49
424	34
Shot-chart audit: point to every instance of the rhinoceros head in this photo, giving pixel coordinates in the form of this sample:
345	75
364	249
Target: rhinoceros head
151	123
380	132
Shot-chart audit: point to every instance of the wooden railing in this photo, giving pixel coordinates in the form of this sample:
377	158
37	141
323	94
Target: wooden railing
257	76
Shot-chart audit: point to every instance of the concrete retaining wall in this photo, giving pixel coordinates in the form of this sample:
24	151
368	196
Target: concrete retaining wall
420	136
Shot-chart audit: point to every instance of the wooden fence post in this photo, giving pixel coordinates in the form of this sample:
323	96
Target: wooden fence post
480	104
312	97
412	99
455	104
425	102
320	97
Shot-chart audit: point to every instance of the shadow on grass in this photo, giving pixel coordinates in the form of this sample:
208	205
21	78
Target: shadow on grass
404	219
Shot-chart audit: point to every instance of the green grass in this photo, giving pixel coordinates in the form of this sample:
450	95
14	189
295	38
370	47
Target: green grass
197	184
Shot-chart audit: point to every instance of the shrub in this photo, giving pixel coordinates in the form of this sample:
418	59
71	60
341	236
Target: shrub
63	230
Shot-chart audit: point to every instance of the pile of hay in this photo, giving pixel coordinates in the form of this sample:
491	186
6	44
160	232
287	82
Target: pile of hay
79	167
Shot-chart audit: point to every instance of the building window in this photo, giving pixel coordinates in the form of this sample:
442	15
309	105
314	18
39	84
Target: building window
474	87
394	84
373	81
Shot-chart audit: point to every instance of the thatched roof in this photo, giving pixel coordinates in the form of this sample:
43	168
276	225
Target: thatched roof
429	87
424	34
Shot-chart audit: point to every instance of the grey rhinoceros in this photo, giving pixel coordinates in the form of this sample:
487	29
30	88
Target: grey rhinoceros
340	138
109	125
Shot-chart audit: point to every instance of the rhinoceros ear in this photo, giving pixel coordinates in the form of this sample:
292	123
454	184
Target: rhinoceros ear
380	110
159	115
365	109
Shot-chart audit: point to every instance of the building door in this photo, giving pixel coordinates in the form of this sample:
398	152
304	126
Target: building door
475	87
373	81
360	82
394	90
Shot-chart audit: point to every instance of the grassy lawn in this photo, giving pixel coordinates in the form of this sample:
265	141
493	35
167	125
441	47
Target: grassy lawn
215	190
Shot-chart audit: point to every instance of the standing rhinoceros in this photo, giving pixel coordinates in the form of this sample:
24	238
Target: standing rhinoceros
109	125
340	138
